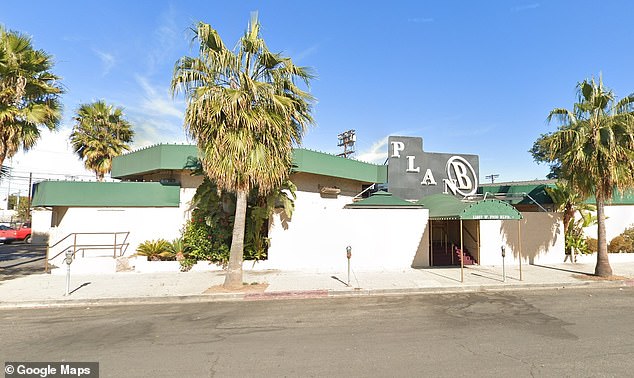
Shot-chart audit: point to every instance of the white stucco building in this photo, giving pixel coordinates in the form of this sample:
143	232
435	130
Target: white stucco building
385	231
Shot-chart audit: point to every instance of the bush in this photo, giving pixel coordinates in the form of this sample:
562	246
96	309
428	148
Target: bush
623	242
207	235
177	247
619	244
156	250
203	241
593	244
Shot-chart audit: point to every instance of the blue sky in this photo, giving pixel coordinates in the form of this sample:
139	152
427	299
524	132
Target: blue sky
474	77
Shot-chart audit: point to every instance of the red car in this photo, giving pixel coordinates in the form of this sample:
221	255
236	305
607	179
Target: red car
9	235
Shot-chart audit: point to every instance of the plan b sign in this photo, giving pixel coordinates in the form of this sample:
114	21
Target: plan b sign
413	173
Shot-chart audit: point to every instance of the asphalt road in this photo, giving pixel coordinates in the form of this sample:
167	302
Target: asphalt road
19	259
546	333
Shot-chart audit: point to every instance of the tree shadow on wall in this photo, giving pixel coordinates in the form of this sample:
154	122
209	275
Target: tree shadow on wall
539	235
421	257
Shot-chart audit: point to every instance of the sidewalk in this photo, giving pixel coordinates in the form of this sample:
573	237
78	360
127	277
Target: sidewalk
44	290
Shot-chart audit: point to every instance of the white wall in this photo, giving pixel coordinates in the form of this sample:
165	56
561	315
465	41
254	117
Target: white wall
143	223
542	240
316	237
40	225
618	218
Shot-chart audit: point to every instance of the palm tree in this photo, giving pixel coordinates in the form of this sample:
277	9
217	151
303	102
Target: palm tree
100	133
568	201
29	93
594	145
245	112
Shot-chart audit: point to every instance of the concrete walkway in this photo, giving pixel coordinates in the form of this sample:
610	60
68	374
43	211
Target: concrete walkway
45	290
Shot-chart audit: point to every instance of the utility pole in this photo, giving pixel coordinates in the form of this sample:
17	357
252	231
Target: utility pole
347	140
9	189
28	208
492	177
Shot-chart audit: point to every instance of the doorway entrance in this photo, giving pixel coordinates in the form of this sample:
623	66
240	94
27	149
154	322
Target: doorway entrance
446	240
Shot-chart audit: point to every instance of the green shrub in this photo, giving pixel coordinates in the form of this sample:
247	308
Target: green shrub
177	247
156	250
207	235
203	241
186	264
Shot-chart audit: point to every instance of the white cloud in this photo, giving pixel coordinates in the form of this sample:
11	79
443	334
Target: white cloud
157	102
377	153
525	7
52	157
455	132
107	60
155	116
151	131
167	38
305	53
421	20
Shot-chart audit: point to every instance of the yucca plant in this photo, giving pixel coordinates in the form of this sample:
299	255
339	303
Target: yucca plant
177	248
156	250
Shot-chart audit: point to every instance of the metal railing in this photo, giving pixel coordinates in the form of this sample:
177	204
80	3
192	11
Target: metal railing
117	245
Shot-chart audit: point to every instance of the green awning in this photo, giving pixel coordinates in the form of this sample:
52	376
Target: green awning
105	194
448	207
382	199
522	193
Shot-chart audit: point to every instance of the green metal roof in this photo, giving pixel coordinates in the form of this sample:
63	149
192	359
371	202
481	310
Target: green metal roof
448	207
617	198
106	194
155	158
382	199
178	157
517	193
320	163
520	193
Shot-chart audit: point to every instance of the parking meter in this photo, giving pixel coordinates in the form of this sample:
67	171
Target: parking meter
503	266
69	257
348	255
68	260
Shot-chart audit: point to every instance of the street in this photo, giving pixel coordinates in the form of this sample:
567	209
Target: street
570	332
18	259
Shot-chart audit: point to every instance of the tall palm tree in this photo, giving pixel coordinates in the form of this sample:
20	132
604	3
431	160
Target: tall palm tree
100	133
29	93
594	145
245	112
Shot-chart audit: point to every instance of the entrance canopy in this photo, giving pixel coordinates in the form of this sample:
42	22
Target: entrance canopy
448	207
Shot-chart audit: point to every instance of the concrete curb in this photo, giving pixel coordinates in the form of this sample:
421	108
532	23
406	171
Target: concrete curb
58	303
481	288
305	294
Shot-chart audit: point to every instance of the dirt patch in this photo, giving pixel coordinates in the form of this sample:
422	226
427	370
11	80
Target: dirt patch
591	277
246	288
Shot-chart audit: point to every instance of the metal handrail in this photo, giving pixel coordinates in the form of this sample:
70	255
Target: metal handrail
122	247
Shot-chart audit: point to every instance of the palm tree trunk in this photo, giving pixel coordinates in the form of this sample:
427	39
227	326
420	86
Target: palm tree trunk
3	154
233	278
603	268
